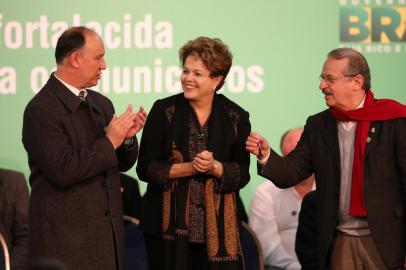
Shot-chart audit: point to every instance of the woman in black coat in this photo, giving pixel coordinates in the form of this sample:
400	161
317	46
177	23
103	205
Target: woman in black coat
192	155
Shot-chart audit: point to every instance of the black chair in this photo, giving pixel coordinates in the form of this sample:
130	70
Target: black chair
135	250
251	249
4	255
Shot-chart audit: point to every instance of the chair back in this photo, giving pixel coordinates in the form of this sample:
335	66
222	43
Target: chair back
251	249
4	255
135	250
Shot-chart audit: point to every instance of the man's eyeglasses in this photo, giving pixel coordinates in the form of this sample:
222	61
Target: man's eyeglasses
331	79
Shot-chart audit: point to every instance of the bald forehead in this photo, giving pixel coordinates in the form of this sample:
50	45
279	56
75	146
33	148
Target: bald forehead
90	34
93	41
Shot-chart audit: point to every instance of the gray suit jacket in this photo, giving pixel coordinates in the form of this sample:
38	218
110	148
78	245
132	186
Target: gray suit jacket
384	183
75	210
14	199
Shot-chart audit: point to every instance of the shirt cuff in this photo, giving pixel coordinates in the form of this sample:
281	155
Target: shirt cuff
265	159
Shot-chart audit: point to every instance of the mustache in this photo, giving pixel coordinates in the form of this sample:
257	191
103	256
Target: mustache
326	91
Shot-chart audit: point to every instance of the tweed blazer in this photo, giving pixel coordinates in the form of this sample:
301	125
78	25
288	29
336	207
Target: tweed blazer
75	208
384	181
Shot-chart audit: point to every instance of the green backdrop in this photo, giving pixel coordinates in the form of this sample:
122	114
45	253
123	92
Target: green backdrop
279	47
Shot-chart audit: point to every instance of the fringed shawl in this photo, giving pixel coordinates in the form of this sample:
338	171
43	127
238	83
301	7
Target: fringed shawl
222	235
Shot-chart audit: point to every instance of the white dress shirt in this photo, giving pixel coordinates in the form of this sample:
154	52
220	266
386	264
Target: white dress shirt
273	216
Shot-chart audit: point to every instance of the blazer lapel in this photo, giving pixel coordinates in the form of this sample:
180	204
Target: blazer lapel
92	103
99	120
71	101
180	126
372	138
330	137
217	127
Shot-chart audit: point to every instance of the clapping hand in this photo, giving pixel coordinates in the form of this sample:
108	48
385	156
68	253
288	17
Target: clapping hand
139	122
125	126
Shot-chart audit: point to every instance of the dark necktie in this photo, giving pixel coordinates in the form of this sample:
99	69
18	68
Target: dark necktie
82	95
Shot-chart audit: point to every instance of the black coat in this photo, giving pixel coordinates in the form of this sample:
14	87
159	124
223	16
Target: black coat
75	209
153	163
14	200
384	181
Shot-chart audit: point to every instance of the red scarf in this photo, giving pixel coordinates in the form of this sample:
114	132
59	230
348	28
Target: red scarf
373	110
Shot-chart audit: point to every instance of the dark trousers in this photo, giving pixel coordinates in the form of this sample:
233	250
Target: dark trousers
160	259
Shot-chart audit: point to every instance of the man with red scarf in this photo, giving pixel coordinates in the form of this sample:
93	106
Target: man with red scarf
357	151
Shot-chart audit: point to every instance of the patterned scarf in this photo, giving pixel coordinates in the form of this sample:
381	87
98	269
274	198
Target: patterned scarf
222	234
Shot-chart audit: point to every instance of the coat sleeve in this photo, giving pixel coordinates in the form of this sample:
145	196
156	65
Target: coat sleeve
50	150
127	155
236	169
288	171
153	167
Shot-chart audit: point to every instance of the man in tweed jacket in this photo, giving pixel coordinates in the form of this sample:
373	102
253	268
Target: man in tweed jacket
76	147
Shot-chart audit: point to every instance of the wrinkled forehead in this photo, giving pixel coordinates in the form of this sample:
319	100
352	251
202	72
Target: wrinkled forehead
333	66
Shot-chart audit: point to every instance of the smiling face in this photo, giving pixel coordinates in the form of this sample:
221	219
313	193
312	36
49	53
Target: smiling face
90	60
341	91
197	83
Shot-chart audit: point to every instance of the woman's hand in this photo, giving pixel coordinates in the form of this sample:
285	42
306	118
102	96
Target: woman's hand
205	163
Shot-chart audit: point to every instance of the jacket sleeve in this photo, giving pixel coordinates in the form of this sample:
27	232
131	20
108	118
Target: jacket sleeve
236	169
127	155
153	167
51	150
288	171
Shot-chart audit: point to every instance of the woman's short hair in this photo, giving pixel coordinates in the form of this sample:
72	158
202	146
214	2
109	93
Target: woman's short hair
214	54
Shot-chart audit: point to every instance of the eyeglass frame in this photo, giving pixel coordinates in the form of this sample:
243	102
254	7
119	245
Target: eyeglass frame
331	79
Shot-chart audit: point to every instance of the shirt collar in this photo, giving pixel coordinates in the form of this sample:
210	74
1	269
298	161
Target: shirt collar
347	125
362	102
73	89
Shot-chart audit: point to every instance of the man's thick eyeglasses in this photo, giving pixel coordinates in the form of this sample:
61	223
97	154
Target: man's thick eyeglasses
331	79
